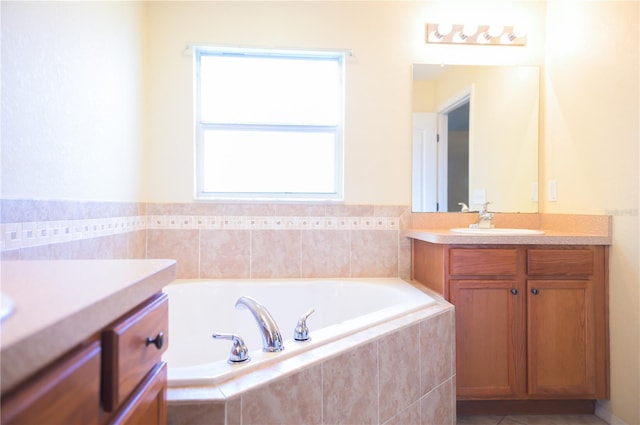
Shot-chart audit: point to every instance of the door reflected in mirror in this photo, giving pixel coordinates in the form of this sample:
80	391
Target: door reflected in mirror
475	138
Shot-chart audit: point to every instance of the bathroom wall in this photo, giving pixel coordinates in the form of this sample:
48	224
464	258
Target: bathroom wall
71	100
385	38
73	144
590	146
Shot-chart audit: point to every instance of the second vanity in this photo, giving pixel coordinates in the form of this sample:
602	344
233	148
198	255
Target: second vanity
84	342
531	313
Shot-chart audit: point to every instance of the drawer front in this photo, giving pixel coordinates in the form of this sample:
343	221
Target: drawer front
68	393
148	404
132	347
483	262
560	262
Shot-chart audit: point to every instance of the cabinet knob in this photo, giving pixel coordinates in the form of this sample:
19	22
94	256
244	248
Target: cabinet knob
514	291
158	341
534	291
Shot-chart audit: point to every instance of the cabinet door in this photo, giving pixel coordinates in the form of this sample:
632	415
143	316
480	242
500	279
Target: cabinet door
561	338
490	342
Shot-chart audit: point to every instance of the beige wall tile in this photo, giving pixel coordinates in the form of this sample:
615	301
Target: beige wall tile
225	253
12	255
249	209
180	245
374	253
234	411
439	405
350	387
325	253
390	210
404	258
436	352
197	209
137	244
275	253
42	252
349	210
409	416
294	400
301	210
399	363
159	209
206	413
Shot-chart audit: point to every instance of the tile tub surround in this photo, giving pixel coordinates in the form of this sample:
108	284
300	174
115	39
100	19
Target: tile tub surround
215	240
398	372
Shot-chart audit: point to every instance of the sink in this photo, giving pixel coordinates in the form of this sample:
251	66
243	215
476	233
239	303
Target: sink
497	231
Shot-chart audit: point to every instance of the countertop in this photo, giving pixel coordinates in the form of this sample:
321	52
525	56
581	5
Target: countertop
60	304
559	229
550	237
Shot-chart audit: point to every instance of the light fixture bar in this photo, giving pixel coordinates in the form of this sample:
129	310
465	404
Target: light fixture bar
508	35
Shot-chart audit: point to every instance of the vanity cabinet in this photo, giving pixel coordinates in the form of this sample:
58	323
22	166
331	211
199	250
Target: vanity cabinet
116	377
531	320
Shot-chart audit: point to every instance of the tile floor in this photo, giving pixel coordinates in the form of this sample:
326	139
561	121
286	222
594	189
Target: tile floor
530	420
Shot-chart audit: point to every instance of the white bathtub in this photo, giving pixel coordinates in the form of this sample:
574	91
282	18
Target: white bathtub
198	308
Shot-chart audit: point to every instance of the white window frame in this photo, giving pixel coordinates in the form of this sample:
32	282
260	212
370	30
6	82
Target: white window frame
337	194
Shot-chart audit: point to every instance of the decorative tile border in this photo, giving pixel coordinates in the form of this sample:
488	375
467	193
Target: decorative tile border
38	233
272	222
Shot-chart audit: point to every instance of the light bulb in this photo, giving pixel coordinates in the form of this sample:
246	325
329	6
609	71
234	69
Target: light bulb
469	30
495	30
517	32
443	30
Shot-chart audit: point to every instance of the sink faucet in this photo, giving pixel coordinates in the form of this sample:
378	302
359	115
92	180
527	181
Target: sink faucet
484	218
271	337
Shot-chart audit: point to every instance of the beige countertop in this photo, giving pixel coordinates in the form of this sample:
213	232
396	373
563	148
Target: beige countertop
60	304
559	229
550	237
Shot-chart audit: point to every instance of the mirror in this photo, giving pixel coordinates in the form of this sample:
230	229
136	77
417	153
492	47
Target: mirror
475	138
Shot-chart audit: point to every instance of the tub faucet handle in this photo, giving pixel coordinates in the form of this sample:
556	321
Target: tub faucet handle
239	352
301	332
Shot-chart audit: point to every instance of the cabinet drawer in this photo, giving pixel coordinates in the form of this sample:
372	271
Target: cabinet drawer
149	400
68	393
483	262
129	354
560	262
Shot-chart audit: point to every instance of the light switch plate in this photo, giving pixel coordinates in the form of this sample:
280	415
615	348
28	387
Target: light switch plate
479	196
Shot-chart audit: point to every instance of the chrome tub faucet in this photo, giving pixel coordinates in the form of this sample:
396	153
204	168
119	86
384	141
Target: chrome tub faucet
269	331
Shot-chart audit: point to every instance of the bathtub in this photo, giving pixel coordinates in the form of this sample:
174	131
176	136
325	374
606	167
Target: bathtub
381	351
342	307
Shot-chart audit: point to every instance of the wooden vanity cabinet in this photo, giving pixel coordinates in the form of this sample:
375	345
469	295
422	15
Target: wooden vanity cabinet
531	321
114	378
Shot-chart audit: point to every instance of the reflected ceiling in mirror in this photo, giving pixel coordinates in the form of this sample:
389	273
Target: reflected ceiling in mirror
495	158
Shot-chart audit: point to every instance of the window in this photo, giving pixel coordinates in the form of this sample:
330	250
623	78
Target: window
269	124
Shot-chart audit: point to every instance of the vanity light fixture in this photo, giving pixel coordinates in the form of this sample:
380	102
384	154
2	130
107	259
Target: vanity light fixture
508	35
